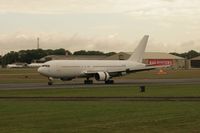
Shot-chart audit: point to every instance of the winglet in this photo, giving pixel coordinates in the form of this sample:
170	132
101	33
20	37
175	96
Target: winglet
139	51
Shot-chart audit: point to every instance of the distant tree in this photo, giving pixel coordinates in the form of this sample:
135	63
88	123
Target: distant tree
110	53
41	53
83	52
187	55
192	54
29	55
95	53
10	57
60	51
26	56
49	52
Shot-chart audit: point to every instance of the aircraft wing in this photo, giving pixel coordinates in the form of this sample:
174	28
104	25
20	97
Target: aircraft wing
92	73
147	67
130	70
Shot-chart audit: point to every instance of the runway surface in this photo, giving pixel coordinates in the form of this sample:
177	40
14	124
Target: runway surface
79	84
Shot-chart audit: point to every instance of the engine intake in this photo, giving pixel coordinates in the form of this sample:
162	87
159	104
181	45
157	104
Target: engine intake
102	76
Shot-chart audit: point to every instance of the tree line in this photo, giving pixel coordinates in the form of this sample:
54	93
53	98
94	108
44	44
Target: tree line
28	56
187	55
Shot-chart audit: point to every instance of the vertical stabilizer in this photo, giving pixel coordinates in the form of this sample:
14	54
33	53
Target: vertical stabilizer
138	54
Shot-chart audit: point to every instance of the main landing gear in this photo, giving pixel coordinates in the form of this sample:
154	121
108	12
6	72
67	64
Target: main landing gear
50	81
88	81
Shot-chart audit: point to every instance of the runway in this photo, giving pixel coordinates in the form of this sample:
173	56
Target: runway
79	84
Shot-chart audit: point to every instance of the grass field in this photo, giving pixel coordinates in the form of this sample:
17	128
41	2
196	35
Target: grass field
24	75
32	76
101	116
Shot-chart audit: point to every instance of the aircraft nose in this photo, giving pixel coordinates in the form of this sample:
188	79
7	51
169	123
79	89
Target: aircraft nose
43	71
40	70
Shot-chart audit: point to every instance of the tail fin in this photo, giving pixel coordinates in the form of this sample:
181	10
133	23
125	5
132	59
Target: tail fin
139	51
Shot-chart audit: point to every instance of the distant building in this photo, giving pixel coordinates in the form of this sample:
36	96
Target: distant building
154	58
194	63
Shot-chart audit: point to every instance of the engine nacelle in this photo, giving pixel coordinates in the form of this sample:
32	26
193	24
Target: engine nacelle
102	76
123	73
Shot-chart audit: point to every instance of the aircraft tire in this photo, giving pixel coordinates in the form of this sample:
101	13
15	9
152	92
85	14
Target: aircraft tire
50	83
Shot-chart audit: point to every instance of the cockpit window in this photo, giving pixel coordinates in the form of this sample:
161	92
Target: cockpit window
45	65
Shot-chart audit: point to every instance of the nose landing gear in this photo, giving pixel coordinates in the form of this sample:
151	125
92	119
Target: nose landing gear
50	81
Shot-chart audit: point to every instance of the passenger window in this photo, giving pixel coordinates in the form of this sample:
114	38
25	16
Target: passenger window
45	65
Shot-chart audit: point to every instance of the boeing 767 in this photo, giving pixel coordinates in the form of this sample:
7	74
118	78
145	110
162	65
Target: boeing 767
101	70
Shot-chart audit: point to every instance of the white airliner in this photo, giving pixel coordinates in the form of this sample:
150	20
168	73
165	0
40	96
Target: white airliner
101	70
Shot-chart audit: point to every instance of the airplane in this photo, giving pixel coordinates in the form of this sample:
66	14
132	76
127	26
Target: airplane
101	70
16	65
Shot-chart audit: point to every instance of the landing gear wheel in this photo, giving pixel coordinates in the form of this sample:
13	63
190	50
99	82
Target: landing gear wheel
50	83
109	82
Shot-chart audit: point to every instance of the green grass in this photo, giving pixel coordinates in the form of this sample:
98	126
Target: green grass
151	90
99	117
17	70
21	75
171	74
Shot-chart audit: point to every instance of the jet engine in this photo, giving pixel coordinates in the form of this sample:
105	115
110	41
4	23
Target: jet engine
102	76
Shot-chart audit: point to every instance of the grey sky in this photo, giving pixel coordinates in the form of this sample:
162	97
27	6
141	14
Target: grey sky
107	25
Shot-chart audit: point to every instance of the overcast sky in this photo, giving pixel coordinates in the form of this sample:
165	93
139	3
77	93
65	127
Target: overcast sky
106	25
